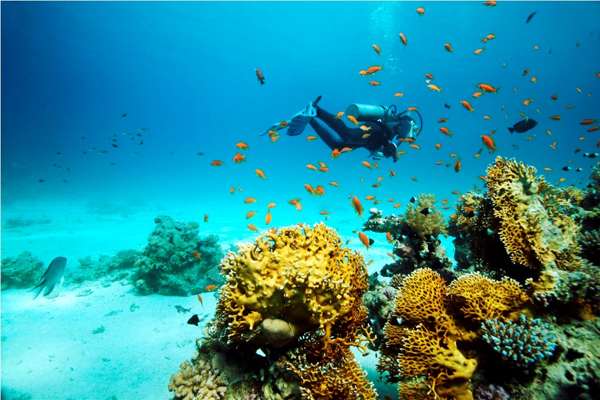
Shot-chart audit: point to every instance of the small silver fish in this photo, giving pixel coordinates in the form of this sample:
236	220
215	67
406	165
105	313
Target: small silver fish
52	276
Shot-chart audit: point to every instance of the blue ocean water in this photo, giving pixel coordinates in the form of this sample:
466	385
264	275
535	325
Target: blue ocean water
173	85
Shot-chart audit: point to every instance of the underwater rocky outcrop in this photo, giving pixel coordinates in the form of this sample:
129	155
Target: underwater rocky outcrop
289	312
176	261
414	236
22	271
104	268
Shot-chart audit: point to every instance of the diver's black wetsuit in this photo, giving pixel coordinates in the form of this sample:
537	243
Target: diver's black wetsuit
337	135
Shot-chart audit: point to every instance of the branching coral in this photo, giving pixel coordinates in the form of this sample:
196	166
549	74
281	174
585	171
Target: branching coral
533	223
337	376
523	342
414	235
300	275
425	343
480	298
176	261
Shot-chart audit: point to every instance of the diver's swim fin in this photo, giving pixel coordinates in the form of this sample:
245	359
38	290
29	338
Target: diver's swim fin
298	122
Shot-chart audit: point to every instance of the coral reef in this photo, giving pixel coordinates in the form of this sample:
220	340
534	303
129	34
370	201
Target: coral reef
197	381
176	261
534	219
380	301
23	271
288	313
523	342
414	235
300	275
491	392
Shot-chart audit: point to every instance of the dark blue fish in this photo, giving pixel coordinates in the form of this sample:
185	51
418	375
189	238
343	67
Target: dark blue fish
52	276
530	17
523	126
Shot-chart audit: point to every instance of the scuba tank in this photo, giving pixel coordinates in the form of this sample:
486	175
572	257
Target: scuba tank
368	112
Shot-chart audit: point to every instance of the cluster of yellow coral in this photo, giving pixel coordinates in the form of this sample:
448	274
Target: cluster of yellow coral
424	344
430	223
197	381
300	277
480	298
532	227
337	376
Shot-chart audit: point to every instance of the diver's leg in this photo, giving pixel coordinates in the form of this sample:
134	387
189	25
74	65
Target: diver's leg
352	136
330	138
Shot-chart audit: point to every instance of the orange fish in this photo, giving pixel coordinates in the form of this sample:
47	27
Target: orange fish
260	76
231	189
446	131
478	51
210	288
370	197
283	124
403	38
374	83
438	146
311	138
527	102
319	191
335	153
593	128
457	166
376	48
434	87
555	117
268	218
487	117
388	236
309	188
486	87
397	205
334	184
196	255
352	119
252	227
249	200
441	120
490	3
364	239
488	142
420	10
412	108
415	146
271	205
476	94
311	166
366	164
373	69
345	149
260	173
242	145
250	214
448	47
467	105
238	158
398	94
216	163
363	72
339	115
533	79
357	205
205	218
587	121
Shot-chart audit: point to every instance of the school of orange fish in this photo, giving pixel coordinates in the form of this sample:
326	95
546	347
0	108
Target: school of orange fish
487	140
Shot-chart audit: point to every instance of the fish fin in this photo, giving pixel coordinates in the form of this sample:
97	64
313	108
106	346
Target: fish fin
511	130
371	241
49	290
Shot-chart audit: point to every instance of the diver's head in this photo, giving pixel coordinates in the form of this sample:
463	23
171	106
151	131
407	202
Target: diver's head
403	127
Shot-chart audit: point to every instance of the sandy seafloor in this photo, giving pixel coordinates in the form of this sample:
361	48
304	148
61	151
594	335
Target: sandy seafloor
49	348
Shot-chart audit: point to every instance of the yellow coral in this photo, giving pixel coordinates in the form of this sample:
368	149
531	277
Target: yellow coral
480	298
300	275
533	229
334	377
197	381
421	300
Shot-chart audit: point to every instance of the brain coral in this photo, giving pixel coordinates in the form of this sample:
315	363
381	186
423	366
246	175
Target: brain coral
533	225
197	381
293	280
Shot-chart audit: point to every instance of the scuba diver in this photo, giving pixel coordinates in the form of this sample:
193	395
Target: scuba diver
381	132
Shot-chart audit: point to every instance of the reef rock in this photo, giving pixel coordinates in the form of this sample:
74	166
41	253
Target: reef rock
23	271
